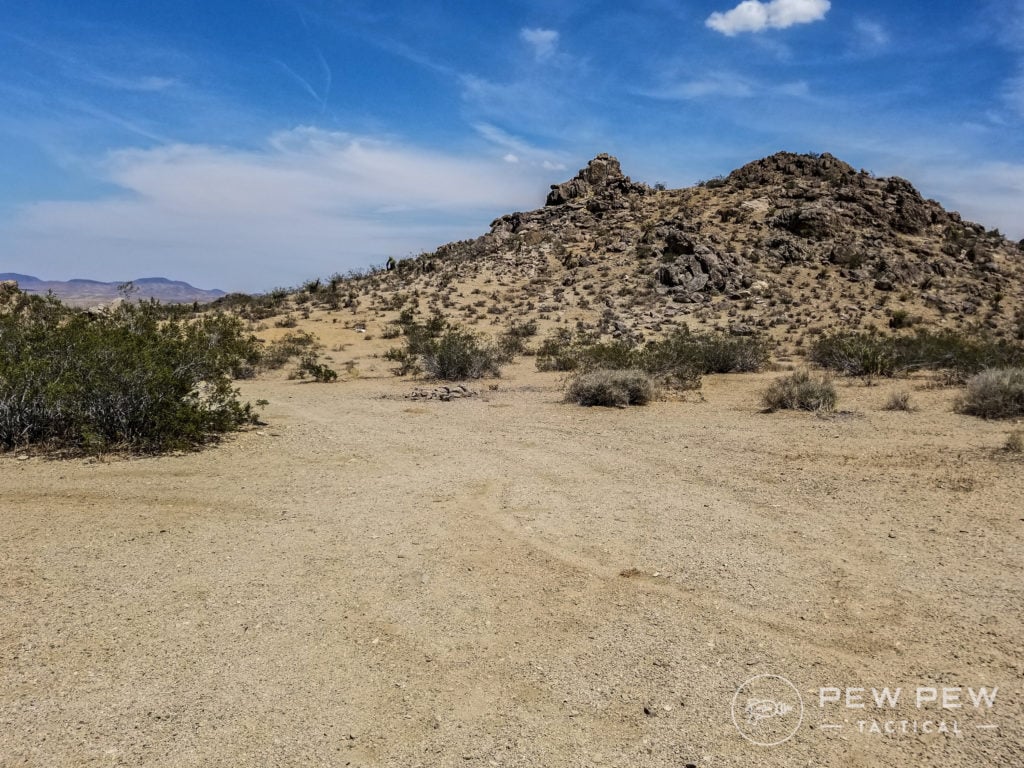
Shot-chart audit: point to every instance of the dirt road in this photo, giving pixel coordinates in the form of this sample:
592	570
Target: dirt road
507	580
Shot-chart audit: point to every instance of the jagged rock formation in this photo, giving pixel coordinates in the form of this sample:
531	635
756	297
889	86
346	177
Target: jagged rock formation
789	243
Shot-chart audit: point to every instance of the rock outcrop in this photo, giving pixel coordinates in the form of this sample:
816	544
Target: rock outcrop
789	242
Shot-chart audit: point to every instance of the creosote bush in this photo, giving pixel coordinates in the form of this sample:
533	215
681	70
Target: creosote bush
997	393
443	351
611	388
872	354
128	378
310	366
801	391
679	360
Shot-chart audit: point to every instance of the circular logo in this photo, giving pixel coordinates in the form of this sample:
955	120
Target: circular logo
767	710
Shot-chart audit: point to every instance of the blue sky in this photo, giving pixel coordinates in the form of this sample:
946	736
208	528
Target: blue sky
245	144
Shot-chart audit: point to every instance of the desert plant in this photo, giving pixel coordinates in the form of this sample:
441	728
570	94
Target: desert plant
721	353
558	352
997	393
871	354
899	401
293	344
458	354
801	390
512	341
613	388
310	366
131	378
1014	442
855	354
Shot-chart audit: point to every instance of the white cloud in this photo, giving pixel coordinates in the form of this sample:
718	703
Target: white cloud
307	203
726	85
543	41
756	16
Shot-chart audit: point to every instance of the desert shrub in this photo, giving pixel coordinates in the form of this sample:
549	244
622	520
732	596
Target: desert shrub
855	354
127	378
443	351
802	391
310	366
721	353
617	388
679	360
1014	442
458	354
870	354
899	401
558	352
676	360
997	393
512	341
291	345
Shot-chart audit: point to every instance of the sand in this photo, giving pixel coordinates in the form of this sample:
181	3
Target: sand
507	580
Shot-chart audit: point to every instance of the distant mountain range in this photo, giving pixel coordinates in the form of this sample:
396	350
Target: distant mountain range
86	293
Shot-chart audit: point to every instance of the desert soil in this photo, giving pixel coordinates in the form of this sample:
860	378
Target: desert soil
507	580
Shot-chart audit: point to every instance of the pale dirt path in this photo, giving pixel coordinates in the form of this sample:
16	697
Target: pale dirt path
377	582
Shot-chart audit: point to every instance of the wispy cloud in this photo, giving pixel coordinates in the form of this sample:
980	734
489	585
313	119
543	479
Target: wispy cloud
308	202
725	84
321	95
870	35
544	42
756	16
151	84
519	149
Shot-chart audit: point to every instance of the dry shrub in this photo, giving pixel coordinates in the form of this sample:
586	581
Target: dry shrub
611	388
800	391
997	393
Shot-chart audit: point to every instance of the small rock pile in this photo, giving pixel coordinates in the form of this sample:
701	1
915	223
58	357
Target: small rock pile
444	394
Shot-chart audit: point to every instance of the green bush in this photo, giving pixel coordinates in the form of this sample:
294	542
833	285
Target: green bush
611	388
442	351
127	378
871	354
310	366
678	360
558	352
802	391
855	354
293	344
997	393
458	354
512	341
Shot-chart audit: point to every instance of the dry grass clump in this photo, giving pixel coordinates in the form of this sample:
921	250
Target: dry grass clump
899	401
609	388
1014	442
800	391
997	393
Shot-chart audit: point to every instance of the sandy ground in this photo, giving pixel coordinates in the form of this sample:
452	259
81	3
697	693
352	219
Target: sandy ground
511	581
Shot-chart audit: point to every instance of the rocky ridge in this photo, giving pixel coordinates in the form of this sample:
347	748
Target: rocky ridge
788	244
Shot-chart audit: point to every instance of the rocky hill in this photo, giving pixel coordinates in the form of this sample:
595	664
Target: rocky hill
790	244
85	293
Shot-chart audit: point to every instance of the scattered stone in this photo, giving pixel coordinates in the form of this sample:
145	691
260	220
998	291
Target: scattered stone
443	393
